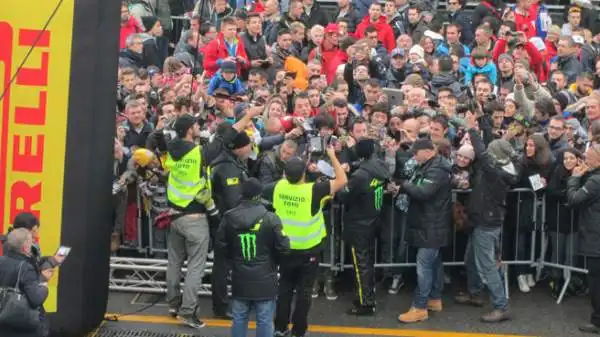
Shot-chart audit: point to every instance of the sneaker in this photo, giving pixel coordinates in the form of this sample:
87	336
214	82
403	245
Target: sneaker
315	290
468	299
191	321
329	290
496	316
434	305
523	284
173	312
397	284
362	310
530	280
281	333
414	315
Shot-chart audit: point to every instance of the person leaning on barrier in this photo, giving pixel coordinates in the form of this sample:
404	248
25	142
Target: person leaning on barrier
19	267
583	192
299	205
364	201
189	196
428	226
254	242
496	170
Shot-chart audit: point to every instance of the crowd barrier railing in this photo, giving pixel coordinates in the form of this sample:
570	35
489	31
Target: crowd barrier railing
560	233
392	251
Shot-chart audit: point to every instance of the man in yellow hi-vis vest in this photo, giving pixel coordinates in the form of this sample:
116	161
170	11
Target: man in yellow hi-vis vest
188	193
299	205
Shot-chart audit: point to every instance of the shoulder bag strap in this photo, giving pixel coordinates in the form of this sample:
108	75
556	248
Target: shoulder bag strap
19	275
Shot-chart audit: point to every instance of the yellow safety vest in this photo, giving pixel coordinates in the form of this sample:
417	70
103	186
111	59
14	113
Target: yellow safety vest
184	178
292	203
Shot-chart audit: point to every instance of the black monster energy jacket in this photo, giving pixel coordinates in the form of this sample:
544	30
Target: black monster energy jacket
364	199
254	241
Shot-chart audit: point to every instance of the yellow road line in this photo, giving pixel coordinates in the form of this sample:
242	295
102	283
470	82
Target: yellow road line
343	330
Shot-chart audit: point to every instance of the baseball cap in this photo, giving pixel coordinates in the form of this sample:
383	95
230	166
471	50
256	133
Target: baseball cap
331	28
422	144
578	39
397	52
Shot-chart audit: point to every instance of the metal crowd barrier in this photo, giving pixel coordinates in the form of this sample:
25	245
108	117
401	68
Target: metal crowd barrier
563	244
147	275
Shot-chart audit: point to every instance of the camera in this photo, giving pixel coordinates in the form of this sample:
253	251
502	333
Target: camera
469	105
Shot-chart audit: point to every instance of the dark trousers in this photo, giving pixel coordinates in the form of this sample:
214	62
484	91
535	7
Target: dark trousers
298	272
363	259
220	270
593	266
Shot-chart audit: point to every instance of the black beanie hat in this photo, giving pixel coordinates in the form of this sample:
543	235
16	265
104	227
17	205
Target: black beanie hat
149	22
251	188
182	124
239	141
364	148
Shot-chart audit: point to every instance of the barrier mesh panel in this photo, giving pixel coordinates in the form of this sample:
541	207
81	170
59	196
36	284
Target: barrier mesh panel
122	332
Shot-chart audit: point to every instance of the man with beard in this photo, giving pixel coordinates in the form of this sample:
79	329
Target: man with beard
583	86
416	26
131	56
270	167
395	74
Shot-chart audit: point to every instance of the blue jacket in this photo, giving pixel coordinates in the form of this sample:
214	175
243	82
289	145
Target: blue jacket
234	87
489	70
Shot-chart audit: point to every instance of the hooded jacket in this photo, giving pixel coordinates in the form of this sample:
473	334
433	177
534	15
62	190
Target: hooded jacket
227	175
429	216
361	201
446	80
583	193
253	239
487	201
488	70
570	66
385	33
130	59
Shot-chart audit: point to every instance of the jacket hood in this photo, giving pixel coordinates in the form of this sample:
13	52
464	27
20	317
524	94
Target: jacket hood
376	167
440	163
246	215
145	37
442	80
128	53
178	148
382	21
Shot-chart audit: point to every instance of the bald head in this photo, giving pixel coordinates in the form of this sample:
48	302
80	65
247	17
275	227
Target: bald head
411	127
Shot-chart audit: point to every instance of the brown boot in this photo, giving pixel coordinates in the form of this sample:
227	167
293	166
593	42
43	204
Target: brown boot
496	316
414	315
434	305
467	299
115	242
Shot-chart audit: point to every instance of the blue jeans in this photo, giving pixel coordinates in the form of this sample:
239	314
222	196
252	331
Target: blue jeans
430	277
481	259
240	309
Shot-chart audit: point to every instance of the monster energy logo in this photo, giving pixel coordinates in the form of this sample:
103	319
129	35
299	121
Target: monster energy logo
377	193
248	243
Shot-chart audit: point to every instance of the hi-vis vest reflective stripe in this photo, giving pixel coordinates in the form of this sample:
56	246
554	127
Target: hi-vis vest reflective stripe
184	178
292	204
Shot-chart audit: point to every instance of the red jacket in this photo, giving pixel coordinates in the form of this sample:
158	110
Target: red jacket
130	27
330	60
385	33
536	58
525	24
217	50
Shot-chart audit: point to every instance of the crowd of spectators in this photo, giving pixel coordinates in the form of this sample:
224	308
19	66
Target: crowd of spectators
499	88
